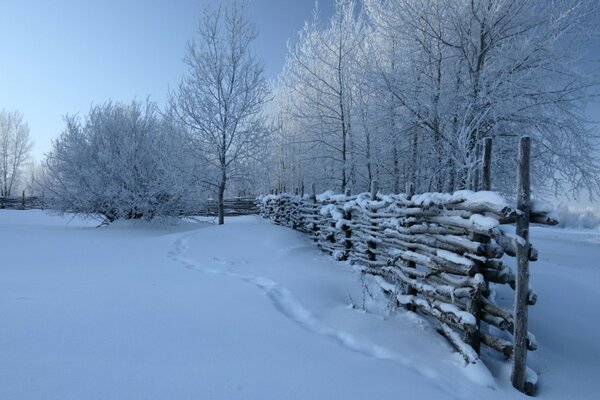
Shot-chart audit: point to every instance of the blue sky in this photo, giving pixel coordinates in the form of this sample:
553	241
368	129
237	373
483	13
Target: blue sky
61	56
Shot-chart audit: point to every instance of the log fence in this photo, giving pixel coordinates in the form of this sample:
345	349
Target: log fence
438	254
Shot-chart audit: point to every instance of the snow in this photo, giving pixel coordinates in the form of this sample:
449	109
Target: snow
484	222
250	310
464	317
481	198
579	218
454	258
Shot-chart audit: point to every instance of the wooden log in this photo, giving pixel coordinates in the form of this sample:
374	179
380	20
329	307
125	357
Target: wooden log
424	255
522	283
465	224
497	311
433	229
434	311
446	294
500	345
488	249
468	353
496	321
473	338
543	219
509	246
456	244
504	276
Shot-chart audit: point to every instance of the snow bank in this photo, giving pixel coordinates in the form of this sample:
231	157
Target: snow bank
579	218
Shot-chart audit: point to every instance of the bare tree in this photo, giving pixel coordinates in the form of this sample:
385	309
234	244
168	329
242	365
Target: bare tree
221	98
15	146
319	73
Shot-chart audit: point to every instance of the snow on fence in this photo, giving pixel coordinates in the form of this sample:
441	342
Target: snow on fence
434	253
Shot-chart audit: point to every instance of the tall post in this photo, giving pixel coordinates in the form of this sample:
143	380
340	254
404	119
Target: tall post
522	281
313	200
410	192
486	184
371	246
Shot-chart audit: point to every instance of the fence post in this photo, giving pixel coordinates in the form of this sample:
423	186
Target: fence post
347	230
410	192
313	199
522	281
371	246
23	200
487	164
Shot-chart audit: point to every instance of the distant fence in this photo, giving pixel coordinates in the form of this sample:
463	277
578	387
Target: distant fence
233	206
21	203
437	254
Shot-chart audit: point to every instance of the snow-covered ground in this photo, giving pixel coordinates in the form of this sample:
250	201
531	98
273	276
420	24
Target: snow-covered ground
250	310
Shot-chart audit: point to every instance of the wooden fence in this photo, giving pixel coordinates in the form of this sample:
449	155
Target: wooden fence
435	253
233	206
21	203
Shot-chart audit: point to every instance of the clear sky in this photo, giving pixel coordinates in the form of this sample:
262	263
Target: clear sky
58	57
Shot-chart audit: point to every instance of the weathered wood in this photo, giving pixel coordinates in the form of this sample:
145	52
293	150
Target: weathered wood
500	345
429	247
371	254
473	338
418	254
486	183
453	244
509	246
522	282
467	352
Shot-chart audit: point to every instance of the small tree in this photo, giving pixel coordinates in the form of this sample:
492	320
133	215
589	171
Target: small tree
122	162
221	98
15	146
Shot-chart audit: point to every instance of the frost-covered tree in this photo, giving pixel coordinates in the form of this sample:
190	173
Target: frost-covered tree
319	74
15	147
405	91
221	98
501	69
123	161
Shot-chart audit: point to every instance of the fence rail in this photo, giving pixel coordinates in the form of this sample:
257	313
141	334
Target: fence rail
21	203
434	253
233	206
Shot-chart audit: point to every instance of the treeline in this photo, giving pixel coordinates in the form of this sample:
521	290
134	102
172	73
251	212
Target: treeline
393	91
404	91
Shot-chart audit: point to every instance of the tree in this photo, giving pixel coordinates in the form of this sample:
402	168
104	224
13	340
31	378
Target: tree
121	162
15	146
320	73
220	100
472	69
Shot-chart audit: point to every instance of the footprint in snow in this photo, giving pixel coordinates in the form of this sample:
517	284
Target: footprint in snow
284	301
